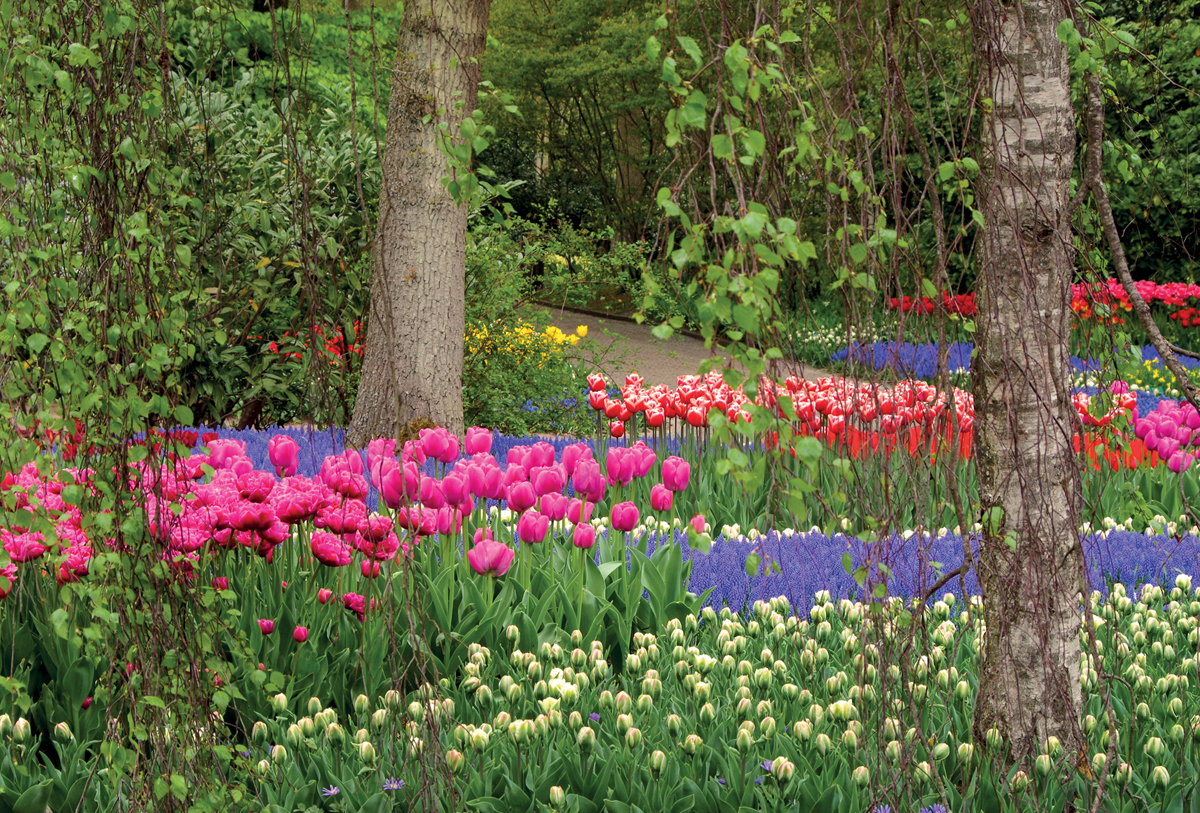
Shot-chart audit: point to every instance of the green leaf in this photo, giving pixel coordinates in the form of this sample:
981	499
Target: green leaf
184	255
379	803
37	342
858	252
847	564
184	416
34	799
79	55
752	563
693	50
8	181
928	288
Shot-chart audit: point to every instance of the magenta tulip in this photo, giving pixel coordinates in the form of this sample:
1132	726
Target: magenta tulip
477	441
625	516
431	493
532	526
266	625
251	516
456	487
400	485
490	558
554	506
698	523
300	634
284	454
521	496
330	549
572	455
677	472
584	536
661	498
548	480
579	511
220	583
324	594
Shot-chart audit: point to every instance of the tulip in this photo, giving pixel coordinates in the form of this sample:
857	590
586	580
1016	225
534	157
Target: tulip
490	558
300	634
677	472
548	480
521	496
532	526
400	485
596	382
698	523
625	516
616	429
220	583
266	625
661	498
584	536
571	456
477	441
554	506
324	594
330	549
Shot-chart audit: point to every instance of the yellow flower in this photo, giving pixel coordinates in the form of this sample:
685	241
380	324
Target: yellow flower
581	331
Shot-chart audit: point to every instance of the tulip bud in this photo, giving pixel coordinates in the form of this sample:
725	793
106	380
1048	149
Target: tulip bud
824	743
893	751
767	726
263	767
994	739
633	738
479	740
691	744
294	735
279	755
1020	782
585	739
279	702
850	739
1155	747
62	734
1043	765
1161	777
923	772
941	751
366	753
861	776
658	762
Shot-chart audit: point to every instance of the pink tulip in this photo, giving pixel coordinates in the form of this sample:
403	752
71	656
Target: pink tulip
266	625
298	499
440	444
516	456
324	594
342	519
379	467
625	516
370	569
661	498
587	478
493	484
572	455
515	473
521	496
490	558
554	506
643	459
255	486
284	454
1151	439
698	523
532	526
579	511
330	549
300	634
400	485
677	472
223	453
251	516
548	480
449	520
220	583
584	536
477	441
455	488
413	452
1180	461
431	493
541	455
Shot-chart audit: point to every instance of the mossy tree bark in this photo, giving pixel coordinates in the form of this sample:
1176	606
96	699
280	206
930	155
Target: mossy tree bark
412	368
1031	561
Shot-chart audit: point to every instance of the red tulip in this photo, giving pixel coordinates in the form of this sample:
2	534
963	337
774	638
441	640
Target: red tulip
596	382
324	594
616	429
300	634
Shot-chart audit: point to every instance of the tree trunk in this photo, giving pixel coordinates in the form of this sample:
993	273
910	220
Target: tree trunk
1031	562
412	368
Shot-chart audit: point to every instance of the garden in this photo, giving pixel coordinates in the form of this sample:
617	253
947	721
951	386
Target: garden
751	590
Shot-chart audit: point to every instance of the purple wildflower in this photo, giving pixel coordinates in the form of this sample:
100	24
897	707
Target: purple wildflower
393	783
332	790
595	718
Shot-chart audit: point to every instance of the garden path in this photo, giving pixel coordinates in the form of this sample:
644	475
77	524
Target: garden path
616	345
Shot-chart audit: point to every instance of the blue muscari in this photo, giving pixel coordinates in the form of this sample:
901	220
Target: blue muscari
810	561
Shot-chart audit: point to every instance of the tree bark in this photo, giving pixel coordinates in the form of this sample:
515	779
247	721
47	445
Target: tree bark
412	367
1031	561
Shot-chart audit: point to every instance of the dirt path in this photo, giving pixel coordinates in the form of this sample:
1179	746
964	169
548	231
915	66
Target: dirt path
616	346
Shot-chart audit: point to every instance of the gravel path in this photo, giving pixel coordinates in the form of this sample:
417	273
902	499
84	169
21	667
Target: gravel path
617	346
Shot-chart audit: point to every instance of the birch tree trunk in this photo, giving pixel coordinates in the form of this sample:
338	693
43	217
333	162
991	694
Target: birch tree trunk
412	369
1031	563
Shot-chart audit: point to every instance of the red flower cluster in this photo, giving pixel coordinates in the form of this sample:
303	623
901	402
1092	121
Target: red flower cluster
1084	299
963	304
336	344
